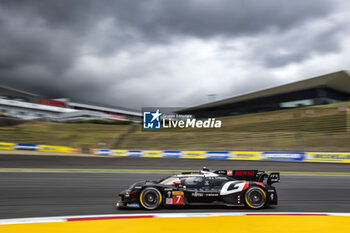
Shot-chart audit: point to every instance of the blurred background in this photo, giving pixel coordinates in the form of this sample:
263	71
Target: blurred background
78	73
75	75
309	115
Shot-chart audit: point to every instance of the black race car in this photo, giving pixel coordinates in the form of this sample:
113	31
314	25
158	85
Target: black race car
250	188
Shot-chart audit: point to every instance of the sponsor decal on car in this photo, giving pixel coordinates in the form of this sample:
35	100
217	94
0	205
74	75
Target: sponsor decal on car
238	187
134	205
245	173
178	193
212	195
168	201
196	194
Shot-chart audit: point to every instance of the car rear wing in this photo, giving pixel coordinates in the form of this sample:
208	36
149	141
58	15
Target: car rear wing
251	175
274	177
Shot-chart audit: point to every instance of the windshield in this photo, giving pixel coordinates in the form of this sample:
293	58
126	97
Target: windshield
170	181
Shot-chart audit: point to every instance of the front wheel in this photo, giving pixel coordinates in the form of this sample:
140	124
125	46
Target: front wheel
255	197
150	198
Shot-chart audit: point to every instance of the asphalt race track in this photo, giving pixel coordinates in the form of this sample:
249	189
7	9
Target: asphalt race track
39	194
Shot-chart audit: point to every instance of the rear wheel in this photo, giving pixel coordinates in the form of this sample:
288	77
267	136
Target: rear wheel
255	197
150	198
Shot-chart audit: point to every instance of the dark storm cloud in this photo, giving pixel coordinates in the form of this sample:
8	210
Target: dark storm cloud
297	47
42	42
193	17
222	17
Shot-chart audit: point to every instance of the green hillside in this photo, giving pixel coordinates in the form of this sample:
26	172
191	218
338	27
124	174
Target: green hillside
318	128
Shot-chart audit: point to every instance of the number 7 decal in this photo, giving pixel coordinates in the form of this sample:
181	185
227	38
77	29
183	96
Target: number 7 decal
178	200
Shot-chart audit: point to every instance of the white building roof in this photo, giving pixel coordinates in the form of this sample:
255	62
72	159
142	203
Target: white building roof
106	109
20	104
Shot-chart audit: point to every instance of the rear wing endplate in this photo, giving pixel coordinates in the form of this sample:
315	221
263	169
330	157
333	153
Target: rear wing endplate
274	177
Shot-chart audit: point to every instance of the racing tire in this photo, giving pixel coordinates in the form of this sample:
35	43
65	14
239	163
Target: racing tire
150	198
255	197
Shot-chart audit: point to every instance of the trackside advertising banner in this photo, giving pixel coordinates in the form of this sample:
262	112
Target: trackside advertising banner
232	155
325	157
57	149
218	154
24	146
7	146
34	147
245	155
328	157
119	153
193	154
283	156
152	153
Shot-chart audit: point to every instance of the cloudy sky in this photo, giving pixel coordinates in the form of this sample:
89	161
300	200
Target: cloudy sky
172	53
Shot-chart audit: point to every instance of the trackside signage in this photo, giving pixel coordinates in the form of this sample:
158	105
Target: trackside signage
283	156
157	119
328	157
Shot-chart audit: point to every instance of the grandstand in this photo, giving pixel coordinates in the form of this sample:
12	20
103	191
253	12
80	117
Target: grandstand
315	128
325	89
28	106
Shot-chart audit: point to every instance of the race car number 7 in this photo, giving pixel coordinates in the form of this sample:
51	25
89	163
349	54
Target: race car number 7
178	199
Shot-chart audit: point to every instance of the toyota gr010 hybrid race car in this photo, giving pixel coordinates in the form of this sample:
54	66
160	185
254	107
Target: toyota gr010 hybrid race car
250	188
